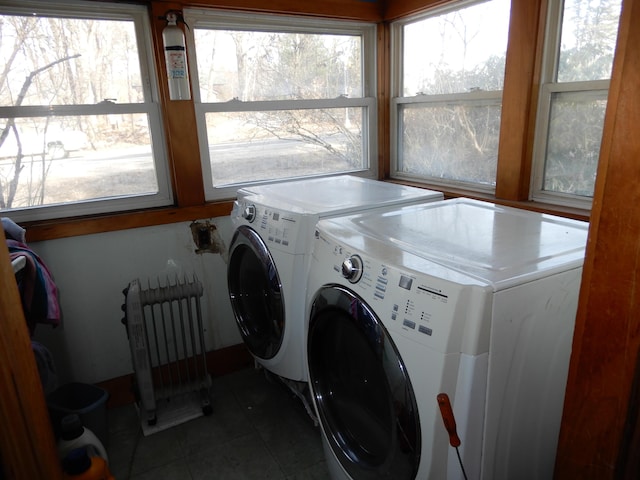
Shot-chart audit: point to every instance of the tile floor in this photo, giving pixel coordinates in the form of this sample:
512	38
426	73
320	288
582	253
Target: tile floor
258	430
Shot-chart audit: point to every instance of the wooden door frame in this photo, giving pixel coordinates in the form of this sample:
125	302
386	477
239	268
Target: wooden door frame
28	449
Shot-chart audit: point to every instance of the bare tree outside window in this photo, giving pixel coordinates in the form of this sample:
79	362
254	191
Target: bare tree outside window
280	104
575	97
74	118
449	96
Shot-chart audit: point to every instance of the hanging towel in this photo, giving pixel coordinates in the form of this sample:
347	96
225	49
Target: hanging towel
37	288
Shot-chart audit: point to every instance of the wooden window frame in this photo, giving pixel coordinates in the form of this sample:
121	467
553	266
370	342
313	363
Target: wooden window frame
520	92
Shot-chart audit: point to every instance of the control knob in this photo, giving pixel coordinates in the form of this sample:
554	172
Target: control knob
352	268
249	213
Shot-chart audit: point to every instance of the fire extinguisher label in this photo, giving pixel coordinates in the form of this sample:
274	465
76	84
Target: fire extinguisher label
176	62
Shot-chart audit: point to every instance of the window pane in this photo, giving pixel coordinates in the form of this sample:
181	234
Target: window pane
451	142
589	32
64	61
280	97
460	51
53	160
573	146
255	66
254	146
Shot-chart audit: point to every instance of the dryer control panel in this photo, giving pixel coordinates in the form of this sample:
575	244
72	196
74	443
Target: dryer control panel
424	305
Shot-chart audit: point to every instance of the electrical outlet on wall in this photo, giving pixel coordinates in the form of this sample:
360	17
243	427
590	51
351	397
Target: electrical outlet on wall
206	237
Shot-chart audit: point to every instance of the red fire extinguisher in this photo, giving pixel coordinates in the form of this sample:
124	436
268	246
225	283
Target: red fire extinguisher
175	54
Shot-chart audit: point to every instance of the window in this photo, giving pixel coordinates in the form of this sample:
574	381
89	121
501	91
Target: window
448	73
80	128
580	44
281	97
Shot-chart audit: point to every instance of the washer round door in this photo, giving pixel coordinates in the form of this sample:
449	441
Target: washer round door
255	291
364	397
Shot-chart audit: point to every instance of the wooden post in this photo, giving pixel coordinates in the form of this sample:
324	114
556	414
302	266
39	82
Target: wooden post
599	421
27	445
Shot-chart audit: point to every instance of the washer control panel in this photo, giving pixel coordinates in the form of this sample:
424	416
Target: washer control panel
249	212
278	229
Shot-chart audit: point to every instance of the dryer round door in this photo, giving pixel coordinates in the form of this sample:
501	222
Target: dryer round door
363	395
255	291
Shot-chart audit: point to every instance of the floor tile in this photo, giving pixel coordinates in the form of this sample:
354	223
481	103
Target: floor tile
317	471
121	452
176	470
226	423
259	429
242	458
156	450
292	439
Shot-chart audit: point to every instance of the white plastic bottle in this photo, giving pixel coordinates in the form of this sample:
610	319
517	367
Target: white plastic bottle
74	435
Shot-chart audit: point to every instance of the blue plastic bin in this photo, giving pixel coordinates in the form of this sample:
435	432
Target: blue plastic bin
87	401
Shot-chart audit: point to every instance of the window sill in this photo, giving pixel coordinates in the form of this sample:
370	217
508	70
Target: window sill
72	227
551	209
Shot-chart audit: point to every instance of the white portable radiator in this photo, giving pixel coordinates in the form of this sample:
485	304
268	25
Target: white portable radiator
166	336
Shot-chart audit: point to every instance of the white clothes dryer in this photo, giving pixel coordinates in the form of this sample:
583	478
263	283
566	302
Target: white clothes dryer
458	297
270	252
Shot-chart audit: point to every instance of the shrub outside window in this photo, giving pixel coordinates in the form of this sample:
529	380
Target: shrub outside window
80	128
281	97
448	74
578	60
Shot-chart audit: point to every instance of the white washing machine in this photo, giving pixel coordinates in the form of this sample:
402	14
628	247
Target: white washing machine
458	297
270	252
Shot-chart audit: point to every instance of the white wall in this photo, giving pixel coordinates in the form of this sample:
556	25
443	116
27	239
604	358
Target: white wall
91	271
